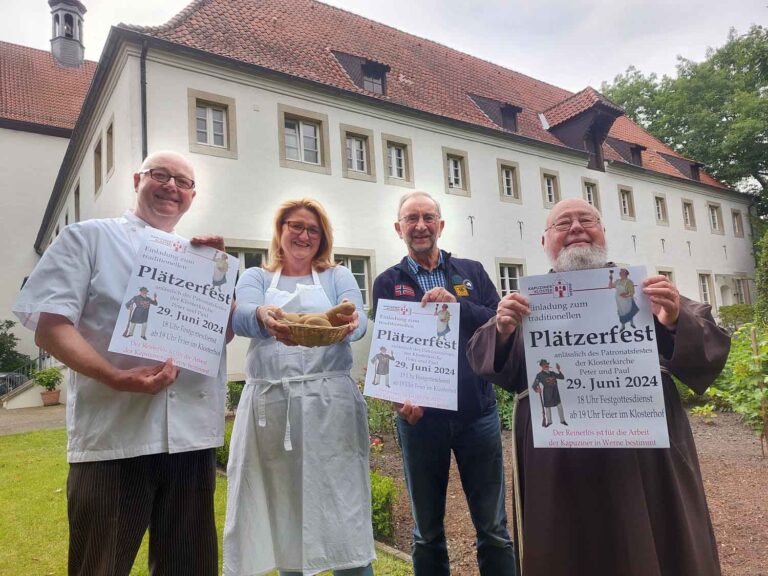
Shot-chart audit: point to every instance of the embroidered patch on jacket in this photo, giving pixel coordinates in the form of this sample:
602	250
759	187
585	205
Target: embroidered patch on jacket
460	290
404	290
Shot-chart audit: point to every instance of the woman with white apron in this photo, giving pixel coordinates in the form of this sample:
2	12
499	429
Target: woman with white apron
298	495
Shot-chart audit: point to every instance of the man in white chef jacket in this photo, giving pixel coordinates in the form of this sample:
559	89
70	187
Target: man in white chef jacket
141	436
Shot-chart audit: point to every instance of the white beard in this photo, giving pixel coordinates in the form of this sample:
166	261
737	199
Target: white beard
580	258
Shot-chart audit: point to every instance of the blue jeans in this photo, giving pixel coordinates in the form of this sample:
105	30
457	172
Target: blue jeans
364	571
426	448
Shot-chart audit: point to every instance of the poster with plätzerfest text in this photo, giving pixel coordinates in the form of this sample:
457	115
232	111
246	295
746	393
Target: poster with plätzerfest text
176	304
592	362
414	354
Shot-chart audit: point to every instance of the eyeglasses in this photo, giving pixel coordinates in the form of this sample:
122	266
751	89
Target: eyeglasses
413	219
163	177
565	224
298	227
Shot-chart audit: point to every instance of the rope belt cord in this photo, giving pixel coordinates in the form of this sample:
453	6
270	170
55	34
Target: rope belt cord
518	501
285	383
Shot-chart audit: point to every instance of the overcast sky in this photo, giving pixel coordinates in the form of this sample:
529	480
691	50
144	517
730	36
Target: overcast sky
569	43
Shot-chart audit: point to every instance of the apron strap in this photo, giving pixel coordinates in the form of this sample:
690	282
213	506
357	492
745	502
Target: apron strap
285	383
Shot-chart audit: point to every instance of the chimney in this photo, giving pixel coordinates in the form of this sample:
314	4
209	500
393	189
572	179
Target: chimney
67	33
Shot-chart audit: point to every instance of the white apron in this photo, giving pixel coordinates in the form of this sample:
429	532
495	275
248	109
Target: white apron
298	488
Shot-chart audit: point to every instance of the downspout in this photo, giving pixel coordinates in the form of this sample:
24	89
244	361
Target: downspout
143	72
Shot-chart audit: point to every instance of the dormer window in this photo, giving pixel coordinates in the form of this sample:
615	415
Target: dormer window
636	153
367	74
503	114
374	77
509	117
695	172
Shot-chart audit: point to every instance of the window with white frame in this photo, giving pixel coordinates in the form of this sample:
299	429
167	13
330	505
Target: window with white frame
360	268
398	162
456	173
660	209
509	278
249	257
705	289
668	274
357	153
689	216
509	181
550	187
715	218
626	203
740	291
303	140
356	145
212	124
738	223
590	193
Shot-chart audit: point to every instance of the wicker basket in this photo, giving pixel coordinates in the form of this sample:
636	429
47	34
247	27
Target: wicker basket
311	336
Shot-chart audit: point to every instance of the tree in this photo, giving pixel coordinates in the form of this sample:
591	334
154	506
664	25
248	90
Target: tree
715	111
10	359
761	280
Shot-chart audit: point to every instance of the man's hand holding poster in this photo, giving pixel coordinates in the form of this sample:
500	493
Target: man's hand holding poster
592	358
176	304
414	354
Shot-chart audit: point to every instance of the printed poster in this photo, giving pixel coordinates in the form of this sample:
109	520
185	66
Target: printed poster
593	369
176	304
414	354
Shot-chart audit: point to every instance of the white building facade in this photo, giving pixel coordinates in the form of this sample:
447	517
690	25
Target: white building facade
258	137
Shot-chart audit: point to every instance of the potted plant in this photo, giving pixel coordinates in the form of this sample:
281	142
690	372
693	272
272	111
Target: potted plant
49	379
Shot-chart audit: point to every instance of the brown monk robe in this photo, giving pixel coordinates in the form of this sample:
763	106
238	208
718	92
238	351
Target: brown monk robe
616	512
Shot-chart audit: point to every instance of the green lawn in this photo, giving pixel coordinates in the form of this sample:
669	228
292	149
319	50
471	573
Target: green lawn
33	509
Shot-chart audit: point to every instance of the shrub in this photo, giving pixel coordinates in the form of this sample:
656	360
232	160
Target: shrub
383	493
234	391
222	452
761	281
381	417
734	316
49	378
741	386
506	403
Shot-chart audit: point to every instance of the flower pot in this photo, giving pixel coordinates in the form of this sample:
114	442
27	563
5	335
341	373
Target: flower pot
50	397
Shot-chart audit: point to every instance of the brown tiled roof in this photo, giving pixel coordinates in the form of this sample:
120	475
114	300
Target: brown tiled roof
35	89
298	37
578	103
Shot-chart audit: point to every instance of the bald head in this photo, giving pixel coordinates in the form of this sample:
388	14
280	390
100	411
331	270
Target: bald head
160	201
574	238
162	157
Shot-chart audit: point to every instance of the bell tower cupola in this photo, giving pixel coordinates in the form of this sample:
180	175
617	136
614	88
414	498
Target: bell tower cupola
67	32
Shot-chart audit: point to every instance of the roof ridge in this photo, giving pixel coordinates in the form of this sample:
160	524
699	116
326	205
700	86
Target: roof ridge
174	22
436	43
40	50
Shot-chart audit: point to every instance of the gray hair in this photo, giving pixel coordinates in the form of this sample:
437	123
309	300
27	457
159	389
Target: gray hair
405	197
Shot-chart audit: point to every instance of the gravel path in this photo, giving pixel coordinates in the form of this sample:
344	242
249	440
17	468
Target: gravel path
28	419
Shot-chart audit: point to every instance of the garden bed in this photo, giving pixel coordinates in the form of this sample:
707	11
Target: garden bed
735	479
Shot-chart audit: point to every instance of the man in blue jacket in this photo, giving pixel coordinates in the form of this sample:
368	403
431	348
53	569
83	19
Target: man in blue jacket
427	435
